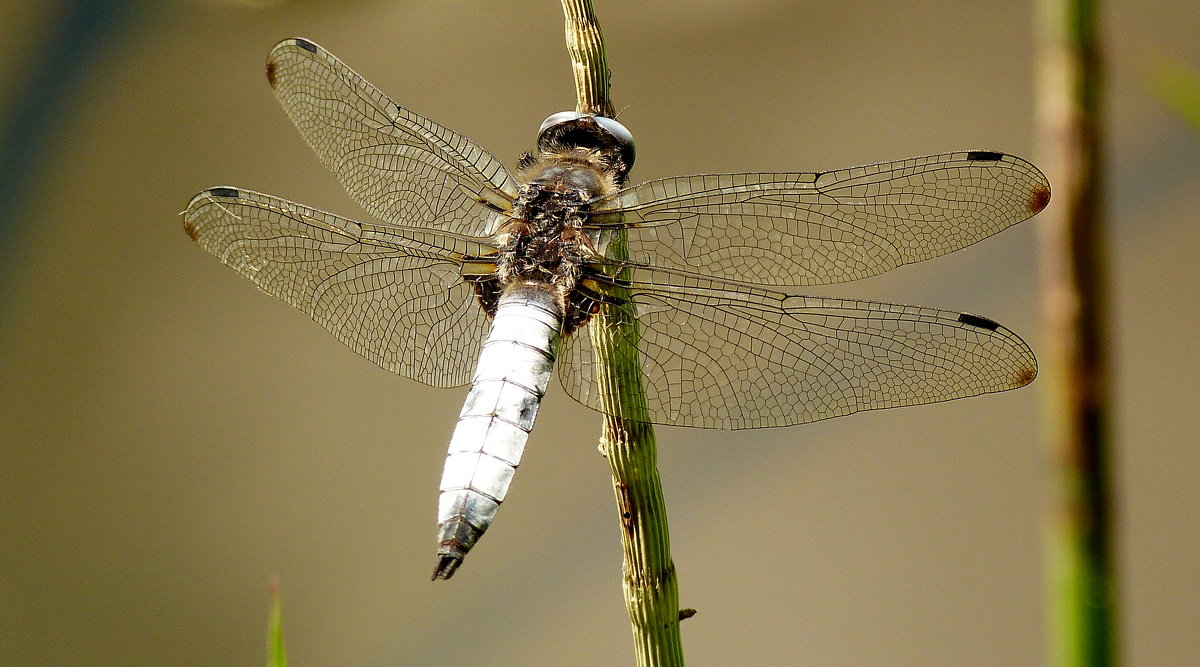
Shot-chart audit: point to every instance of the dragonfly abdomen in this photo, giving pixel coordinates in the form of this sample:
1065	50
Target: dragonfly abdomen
514	370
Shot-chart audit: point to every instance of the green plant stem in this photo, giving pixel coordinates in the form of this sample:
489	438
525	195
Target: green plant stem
650	584
1082	589
589	63
276	653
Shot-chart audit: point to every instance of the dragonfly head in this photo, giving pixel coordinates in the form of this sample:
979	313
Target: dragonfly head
571	129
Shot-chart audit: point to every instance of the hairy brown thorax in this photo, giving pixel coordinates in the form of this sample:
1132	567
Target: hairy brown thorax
544	241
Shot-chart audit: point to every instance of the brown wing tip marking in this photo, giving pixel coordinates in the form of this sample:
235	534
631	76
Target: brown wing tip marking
1038	199
273	66
1024	376
190	230
189	225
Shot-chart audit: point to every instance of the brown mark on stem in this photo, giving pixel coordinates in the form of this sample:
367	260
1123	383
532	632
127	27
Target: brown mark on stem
625	506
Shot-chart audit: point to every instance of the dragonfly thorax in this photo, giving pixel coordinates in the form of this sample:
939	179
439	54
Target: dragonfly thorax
544	242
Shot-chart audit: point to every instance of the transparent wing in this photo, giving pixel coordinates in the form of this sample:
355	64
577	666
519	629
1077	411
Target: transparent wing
394	296
400	166
827	227
716	355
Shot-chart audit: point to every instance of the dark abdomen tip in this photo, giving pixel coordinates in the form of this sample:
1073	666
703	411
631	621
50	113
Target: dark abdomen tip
446	566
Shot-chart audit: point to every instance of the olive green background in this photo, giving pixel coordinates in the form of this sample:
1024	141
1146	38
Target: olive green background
170	437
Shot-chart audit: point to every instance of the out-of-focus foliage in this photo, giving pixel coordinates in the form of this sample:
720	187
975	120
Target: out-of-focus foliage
1178	87
276	653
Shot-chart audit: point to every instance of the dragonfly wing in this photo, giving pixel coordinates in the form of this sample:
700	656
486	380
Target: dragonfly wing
400	166
716	355
394	296
795	229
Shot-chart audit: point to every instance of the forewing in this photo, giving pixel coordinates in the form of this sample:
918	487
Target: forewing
400	166
394	296
716	355
794	229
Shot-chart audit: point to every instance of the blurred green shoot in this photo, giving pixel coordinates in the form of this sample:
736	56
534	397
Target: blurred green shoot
1177	87
276	654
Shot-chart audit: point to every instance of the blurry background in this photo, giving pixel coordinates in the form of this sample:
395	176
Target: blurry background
171	437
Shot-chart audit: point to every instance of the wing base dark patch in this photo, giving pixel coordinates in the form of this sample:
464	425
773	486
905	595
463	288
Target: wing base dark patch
977	321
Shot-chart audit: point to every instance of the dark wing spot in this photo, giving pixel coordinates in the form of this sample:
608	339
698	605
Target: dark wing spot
191	230
271	72
188	225
686	613
990	156
306	45
977	321
1024	376
1038	199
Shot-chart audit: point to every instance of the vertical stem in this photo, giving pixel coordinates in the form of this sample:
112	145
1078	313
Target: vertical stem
276	653
650	584
585	45
1082	590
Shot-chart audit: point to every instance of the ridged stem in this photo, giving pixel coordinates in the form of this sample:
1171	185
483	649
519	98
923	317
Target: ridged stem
585	45
650	585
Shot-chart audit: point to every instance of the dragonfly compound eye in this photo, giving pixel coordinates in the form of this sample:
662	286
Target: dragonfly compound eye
557	119
580	130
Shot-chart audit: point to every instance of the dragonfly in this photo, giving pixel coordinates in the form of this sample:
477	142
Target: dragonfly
473	274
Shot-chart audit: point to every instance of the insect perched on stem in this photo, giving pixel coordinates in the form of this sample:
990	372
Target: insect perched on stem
471	263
